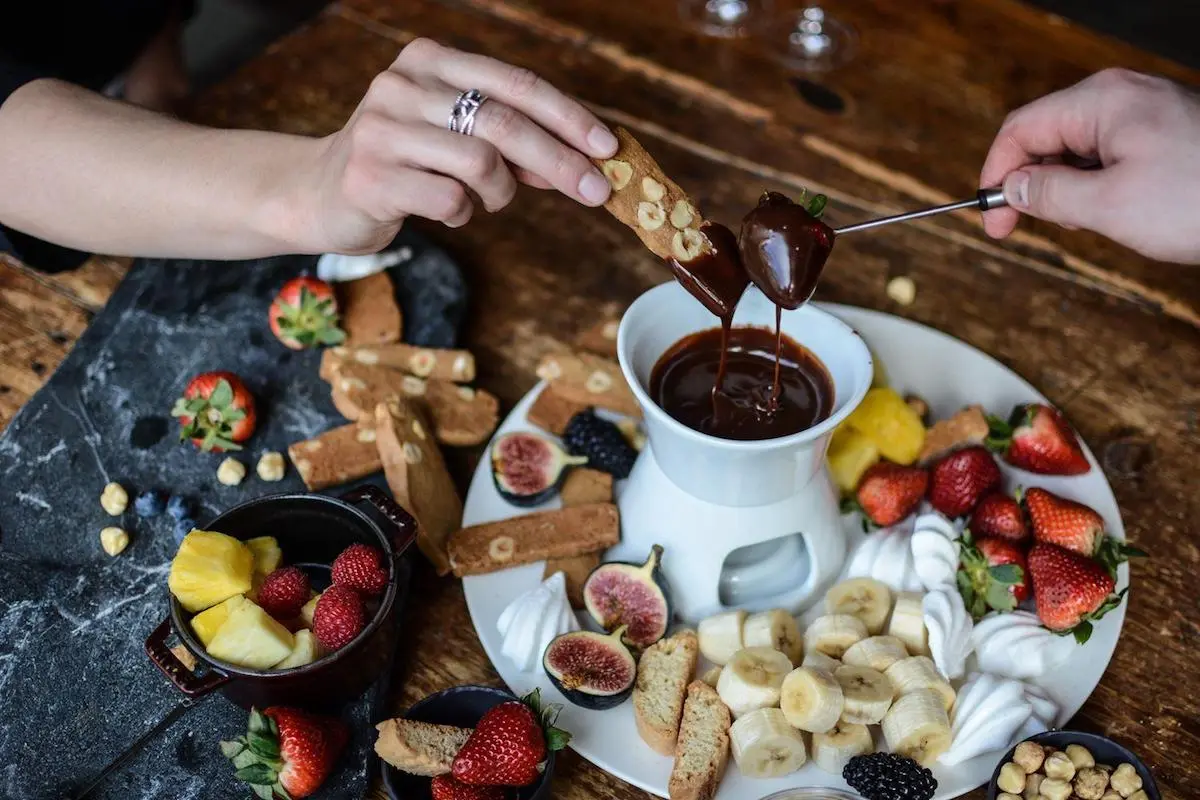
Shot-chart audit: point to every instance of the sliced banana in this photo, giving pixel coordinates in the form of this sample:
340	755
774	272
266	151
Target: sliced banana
876	652
775	628
832	750
752	679
917	726
918	673
815	659
866	598
721	636
711	676
833	634
867	693
811	700
765	745
908	623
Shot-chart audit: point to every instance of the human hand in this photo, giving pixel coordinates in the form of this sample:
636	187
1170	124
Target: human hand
1145	133
395	157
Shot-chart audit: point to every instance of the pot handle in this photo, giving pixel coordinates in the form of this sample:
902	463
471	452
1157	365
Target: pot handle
183	678
403	523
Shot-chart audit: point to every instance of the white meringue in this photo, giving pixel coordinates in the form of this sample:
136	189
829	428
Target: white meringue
886	556
531	621
1045	711
990	714
1016	645
935	557
949	628
335	267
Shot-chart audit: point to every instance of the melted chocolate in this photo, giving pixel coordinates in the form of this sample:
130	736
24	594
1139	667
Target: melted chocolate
784	249
772	385
715	278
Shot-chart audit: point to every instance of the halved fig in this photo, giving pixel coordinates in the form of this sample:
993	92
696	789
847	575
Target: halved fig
528	469
633	596
592	670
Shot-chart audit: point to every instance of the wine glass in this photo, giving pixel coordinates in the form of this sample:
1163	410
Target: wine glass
810	40
727	19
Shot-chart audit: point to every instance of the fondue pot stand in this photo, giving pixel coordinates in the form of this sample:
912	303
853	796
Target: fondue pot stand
745	524
311	530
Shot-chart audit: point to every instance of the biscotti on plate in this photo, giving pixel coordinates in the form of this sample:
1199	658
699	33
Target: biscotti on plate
663	674
419	748
702	751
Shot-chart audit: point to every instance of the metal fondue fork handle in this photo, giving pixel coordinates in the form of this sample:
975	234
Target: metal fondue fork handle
984	200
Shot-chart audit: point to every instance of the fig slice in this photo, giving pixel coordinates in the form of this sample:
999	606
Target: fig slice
528	469
592	670
633	596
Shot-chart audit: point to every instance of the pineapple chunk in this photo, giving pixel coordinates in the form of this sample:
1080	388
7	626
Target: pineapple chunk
206	624
879	377
850	455
209	568
251	638
304	651
890	423
267	556
310	608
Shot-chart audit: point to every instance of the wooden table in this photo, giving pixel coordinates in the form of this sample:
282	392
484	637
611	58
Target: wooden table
1112	338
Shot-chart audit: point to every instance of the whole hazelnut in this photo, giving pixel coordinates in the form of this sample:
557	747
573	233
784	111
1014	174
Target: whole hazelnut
1012	778
1058	765
1030	756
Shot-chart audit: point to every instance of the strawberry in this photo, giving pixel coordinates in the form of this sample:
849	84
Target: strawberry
959	480
1038	438
304	314
286	752
992	574
284	592
509	744
445	787
999	516
1066	523
360	567
1070	590
338	617
887	492
216	412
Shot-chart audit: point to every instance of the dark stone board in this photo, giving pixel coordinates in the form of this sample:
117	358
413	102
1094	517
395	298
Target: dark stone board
76	687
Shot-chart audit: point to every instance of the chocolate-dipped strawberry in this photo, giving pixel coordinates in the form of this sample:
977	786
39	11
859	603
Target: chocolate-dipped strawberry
592	670
528	469
634	597
784	247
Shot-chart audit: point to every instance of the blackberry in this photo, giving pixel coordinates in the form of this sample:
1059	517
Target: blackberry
150	504
888	776
602	442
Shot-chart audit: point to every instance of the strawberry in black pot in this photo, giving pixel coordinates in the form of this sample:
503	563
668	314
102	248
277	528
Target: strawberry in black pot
216	412
1038	438
305	314
510	744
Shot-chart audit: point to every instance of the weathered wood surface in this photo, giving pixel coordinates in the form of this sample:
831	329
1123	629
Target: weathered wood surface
1112	338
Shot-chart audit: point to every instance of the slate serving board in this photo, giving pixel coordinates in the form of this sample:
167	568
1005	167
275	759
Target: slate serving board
75	685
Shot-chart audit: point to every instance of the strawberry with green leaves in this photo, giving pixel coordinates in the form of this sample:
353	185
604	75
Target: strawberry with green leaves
216	412
286	753
1071	590
304	314
992	575
510	743
1037	438
887	492
1074	526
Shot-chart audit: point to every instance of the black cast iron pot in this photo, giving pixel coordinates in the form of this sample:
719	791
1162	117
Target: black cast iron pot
311	530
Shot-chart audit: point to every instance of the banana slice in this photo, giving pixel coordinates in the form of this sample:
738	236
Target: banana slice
908	623
765	745
815	659
918	673
752	679
775	628
866	598
833	634
867	693
876	652
711	675
917	726
832	750
811	700
721	636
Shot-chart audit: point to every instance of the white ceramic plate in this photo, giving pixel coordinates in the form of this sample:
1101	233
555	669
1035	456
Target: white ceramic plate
949	375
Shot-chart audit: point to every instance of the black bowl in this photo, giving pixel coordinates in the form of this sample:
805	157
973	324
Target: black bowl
462	706
1103	749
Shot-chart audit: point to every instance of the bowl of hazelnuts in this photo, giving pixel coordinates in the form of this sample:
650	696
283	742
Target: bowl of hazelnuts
1057	765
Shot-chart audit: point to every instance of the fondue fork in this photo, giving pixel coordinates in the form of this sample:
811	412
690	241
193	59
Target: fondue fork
984	200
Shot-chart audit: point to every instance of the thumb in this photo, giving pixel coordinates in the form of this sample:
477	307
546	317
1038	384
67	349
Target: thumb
1059	194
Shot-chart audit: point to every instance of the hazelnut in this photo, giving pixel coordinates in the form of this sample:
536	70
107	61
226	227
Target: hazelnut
1007	796
651	216
365	435
501	548
1111	795
412	386
1140	794
688	243
598	382
1033	782
270	466
652	190
114	540
412	453
422	363
1030	756
418	430
1012	778
461	368
902	289
231	472
1080	756
549	370
1058	765
466	393
351	384
682	215
1055	789
1125	780
366	356
1090	783
618	172
611	327
114	499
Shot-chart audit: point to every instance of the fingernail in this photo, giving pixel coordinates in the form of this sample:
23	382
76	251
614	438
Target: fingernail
594	187
1016	189
602	142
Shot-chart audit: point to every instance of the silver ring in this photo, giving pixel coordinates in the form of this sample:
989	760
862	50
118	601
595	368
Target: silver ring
462	115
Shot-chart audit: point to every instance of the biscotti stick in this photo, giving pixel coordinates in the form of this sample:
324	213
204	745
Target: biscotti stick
590	381
369	312
337	456
600	339
416	473
457	366
551	411
583	486
492	546
654	206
